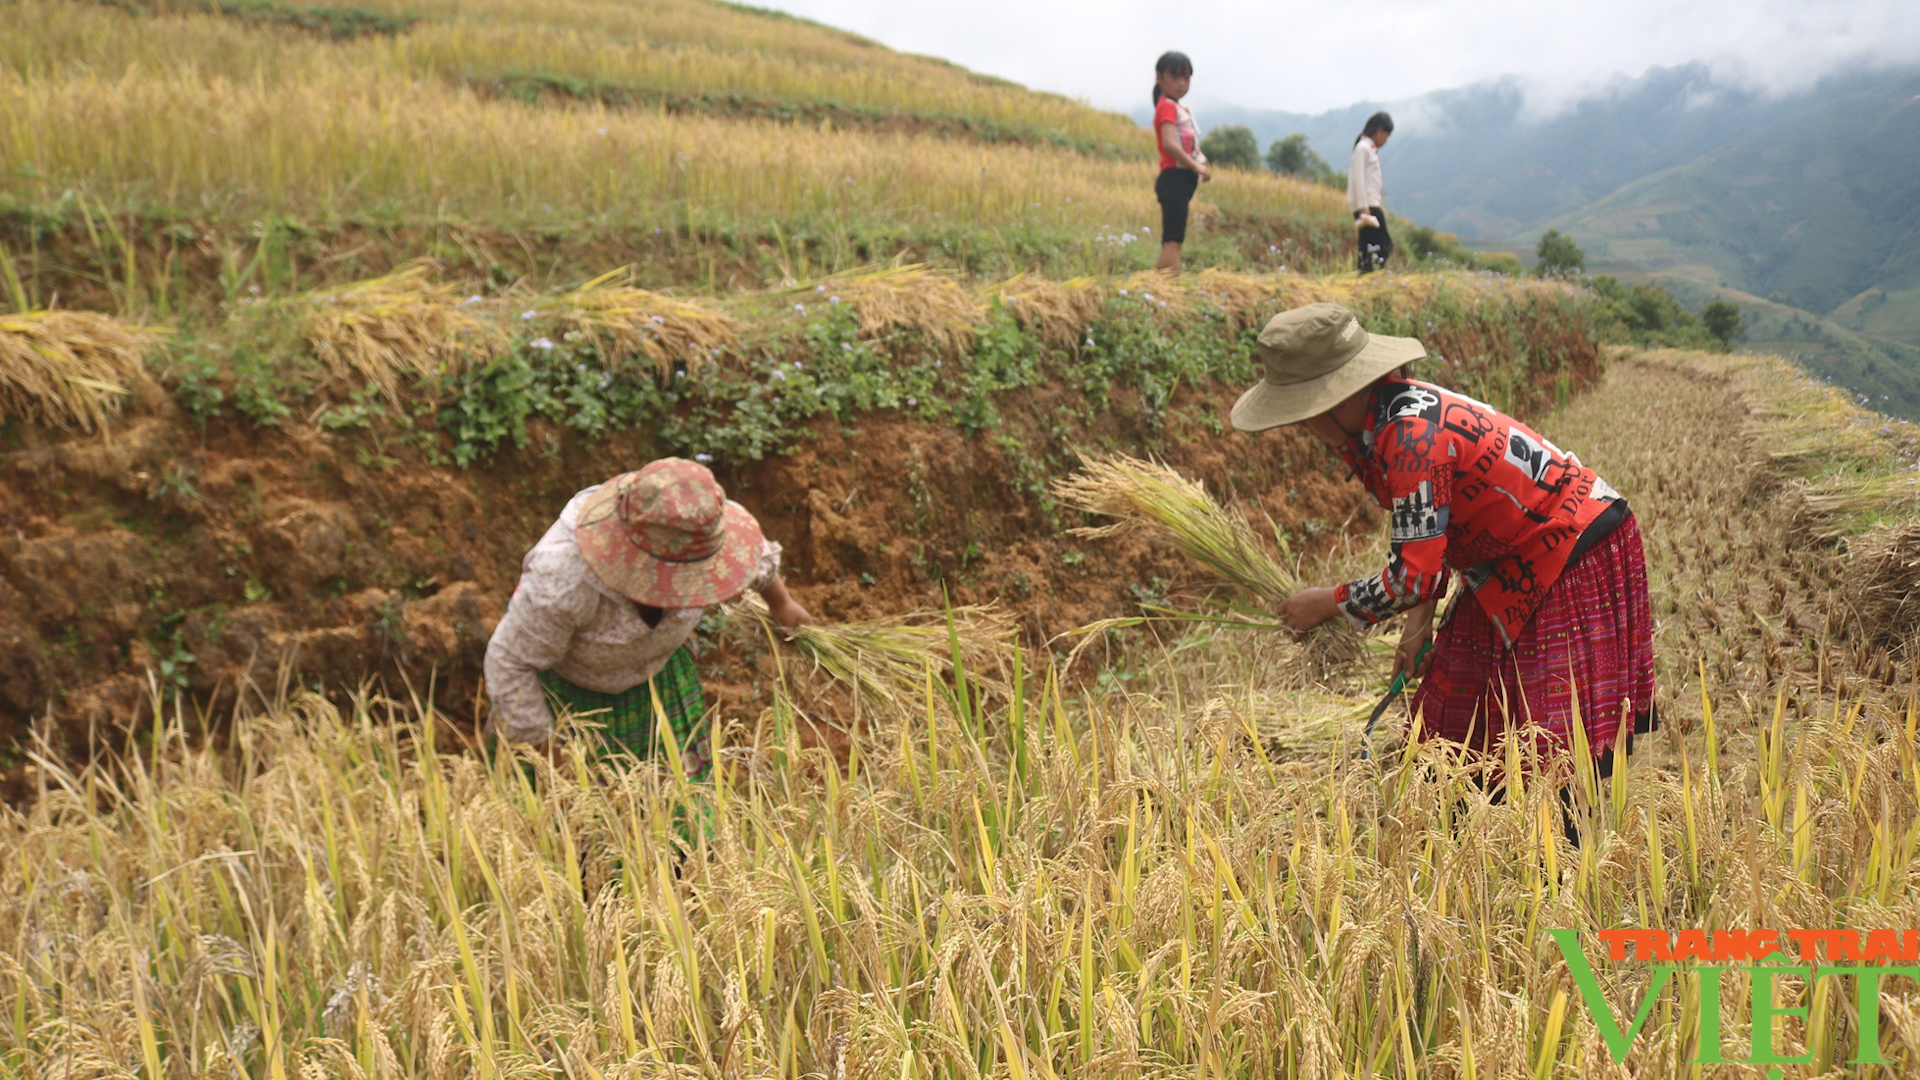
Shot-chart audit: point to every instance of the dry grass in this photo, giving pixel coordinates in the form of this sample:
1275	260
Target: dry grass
624	322
69	368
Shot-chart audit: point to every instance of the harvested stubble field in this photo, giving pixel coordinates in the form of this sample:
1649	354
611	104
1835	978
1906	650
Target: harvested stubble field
1180	869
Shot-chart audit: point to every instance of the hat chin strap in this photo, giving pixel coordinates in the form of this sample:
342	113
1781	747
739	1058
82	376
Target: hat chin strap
1332	414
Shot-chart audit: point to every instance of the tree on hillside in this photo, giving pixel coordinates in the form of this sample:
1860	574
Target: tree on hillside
1722	320
1232	144
1559	255
1292	156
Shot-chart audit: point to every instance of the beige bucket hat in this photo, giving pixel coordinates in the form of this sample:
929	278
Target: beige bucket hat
1315	358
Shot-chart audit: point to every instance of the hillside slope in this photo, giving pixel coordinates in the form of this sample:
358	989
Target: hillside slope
1820	210
711	144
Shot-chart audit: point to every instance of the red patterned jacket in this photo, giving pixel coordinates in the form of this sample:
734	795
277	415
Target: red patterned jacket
1469	489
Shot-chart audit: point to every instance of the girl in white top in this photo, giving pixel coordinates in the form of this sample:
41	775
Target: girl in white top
1366	193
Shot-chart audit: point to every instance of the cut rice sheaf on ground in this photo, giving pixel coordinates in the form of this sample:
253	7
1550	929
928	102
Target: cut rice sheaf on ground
69	368
401	325
912	297
625	322
1059	311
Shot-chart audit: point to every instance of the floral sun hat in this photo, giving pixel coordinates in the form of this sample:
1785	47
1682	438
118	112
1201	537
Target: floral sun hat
666	536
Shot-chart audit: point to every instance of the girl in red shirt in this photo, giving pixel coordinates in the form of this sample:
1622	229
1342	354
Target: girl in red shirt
1553	622
1182	165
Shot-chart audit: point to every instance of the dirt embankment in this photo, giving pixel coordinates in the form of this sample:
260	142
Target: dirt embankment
235	556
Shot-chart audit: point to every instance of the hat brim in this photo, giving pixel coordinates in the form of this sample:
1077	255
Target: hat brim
1270	405
647	579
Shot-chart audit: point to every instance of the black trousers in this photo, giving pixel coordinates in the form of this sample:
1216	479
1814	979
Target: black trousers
1175	188
1375	243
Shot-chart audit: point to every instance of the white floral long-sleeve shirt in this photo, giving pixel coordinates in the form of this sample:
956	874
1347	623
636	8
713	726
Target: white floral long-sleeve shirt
563	619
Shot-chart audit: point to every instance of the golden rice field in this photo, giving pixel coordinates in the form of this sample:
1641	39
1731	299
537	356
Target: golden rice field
194	113
1010	876
343	144
680	46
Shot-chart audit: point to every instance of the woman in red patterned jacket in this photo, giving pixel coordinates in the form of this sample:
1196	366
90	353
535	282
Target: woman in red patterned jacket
1553	621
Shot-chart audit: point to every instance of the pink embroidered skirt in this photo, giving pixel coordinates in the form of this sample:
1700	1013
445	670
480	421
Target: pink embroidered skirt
1590	643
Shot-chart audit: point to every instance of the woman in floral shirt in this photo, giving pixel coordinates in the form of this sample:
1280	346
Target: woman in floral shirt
1554	620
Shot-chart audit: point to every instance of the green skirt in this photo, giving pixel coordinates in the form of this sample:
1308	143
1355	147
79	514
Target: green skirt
625	721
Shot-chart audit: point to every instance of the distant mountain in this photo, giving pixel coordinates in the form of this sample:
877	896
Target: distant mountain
1478	161
1820	209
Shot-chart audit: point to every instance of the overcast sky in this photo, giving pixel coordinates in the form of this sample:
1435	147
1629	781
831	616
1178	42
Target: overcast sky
1313	57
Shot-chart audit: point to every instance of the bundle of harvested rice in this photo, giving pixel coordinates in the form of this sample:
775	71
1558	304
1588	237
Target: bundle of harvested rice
1244	299
1829	509
1060	311
888	659
1882	582
69	368
1164	294
1148	495
401	324
1309	724
625	322
915	297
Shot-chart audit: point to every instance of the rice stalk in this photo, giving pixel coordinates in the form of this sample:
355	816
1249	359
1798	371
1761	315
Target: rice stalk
624	322
1883	581
1836	506
398	325
69	368
887	659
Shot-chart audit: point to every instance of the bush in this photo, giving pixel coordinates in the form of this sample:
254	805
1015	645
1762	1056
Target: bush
1722	320
1648	315
1292	156
1428	245
1232	144
1559	255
